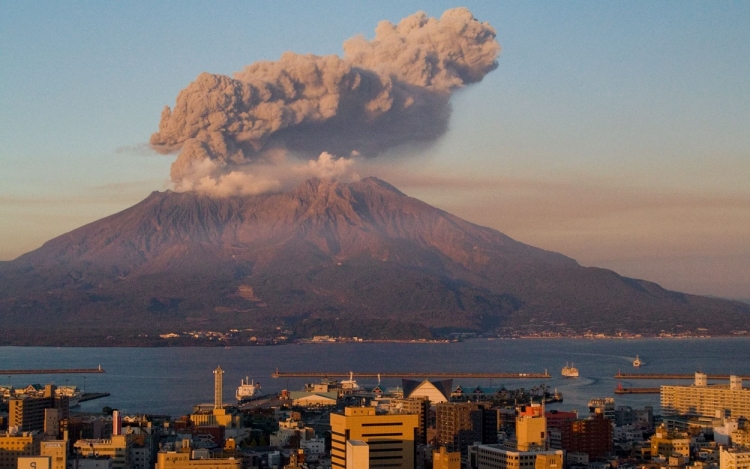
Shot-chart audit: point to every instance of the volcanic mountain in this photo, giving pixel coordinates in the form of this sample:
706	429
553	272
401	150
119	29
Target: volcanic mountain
325	258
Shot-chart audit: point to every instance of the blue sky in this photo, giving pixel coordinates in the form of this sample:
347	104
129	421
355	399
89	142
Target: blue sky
617	133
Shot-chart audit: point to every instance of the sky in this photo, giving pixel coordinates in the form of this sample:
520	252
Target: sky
616	133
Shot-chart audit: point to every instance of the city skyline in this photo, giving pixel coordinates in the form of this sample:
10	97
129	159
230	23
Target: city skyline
614	134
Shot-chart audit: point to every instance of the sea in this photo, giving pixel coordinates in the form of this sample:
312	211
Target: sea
172	380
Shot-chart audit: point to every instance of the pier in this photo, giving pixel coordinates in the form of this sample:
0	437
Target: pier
409	374
621	375
54	371
90	396
637	390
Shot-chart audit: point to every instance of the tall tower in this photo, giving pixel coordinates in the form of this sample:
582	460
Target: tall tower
218	388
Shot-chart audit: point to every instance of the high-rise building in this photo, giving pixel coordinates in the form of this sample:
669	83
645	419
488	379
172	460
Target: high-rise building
390	437
28	413
702	399
418	406
529	450
531	429
592	436
460	424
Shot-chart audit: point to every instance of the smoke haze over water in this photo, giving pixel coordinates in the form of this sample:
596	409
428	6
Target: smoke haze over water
276	122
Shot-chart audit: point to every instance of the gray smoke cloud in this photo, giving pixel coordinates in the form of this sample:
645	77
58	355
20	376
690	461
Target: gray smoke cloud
236	134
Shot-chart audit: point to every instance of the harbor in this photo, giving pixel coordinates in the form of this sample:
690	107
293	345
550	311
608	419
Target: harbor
621	375
410	374
55	371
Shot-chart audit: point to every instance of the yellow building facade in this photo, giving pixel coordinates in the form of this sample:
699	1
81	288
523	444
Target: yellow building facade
669	443
390	437
702	399
445	459
13	446
182	460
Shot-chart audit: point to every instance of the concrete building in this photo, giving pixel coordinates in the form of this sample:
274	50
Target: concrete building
436	391
15	445
418	406
444	459
531	429
460	424
390	437
116	448
183	460
732	458
57	451
592	436
357	454
28	413
90	462
668	443
501	457
702	399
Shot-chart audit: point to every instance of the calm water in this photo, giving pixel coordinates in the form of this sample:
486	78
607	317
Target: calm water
171	380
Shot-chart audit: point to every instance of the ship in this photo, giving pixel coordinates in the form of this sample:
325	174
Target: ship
570	371
71	392
637	362
349	385
247	390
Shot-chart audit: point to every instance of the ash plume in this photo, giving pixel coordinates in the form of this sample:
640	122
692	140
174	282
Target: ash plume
275	121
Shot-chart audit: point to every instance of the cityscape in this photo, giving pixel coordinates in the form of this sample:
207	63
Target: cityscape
427	423
375	235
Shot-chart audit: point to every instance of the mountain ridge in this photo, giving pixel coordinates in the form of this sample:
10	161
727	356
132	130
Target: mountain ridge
322	254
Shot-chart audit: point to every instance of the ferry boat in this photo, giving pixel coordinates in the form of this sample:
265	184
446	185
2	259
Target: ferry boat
570	371
71	392
349	385
247	389
637	362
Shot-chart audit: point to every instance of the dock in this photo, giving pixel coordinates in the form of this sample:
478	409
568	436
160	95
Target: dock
409	374
90	396
621	375
637	390
55	371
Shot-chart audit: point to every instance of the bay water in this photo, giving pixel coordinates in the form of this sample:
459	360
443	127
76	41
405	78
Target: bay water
171	380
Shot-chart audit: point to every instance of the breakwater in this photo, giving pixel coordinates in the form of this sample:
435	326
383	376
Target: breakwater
409	374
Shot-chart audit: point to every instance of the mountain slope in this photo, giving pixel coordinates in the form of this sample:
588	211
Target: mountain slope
358	257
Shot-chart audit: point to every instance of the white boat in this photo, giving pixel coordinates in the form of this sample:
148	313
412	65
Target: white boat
247	389
570	371
71	392
637	362
349	384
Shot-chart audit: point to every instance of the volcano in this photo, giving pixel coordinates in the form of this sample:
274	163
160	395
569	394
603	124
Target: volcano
327	257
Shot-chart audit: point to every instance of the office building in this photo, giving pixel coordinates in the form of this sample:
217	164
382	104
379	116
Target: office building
390	437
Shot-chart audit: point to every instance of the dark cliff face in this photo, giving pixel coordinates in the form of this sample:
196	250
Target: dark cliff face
323	251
